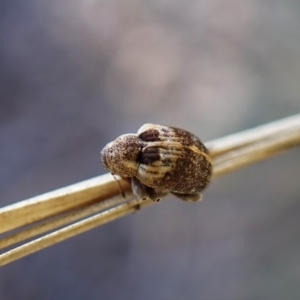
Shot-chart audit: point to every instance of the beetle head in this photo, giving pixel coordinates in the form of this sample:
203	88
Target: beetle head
121	155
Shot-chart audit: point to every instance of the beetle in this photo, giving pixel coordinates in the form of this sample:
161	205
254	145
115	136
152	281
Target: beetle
160	159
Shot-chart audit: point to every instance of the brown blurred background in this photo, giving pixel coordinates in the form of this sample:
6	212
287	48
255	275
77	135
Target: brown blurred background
76	74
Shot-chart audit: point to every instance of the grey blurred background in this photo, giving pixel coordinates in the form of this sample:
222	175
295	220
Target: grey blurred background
76	74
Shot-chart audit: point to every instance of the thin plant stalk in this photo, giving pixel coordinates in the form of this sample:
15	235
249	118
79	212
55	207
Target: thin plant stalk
228	154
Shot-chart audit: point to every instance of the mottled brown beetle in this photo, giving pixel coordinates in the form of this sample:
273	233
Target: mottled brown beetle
160	159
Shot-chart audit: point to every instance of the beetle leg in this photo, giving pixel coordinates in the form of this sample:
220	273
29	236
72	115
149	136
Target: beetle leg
144	192
138	188
189	197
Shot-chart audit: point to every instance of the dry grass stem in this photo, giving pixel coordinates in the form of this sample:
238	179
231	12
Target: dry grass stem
72	230
55	202
96	199
60	221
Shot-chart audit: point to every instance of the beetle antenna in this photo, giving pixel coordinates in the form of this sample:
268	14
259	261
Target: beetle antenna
120	187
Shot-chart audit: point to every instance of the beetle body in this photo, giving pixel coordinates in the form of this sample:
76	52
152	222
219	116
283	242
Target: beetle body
160	159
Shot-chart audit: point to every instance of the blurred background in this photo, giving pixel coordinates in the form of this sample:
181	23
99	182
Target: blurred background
76	74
